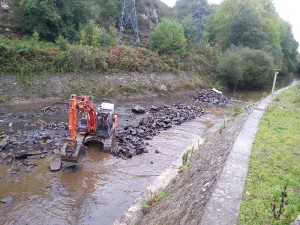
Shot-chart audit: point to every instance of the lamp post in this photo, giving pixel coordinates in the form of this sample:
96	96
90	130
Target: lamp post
275	78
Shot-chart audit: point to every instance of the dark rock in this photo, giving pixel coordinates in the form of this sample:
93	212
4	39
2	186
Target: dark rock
154	108
21	155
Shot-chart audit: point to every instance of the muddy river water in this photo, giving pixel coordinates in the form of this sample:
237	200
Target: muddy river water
103	186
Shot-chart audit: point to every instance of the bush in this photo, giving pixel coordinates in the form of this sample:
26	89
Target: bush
244	67
95	36
29	57
168	38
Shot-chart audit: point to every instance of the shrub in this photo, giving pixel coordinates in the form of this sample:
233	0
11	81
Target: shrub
95	36
168	38
244	67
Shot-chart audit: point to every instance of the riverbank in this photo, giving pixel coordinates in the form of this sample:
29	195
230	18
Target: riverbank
101	86
188	196
189	191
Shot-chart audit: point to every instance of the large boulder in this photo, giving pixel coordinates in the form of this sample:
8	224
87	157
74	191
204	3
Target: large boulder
138	109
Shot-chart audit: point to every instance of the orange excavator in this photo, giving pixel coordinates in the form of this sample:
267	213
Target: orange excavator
94	124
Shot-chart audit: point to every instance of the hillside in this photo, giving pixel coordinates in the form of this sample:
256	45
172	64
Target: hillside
236	43
105	13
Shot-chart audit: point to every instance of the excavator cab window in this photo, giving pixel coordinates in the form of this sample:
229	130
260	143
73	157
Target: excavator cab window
82	124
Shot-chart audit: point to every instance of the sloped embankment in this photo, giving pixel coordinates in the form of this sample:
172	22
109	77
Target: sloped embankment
190	191
97	85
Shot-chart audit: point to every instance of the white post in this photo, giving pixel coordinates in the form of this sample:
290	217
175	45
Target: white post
274	82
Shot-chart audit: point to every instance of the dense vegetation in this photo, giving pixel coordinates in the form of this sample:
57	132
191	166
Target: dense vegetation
237	42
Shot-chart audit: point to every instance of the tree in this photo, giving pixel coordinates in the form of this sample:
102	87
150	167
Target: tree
238	22
254	24
289	48
168	38
51	18
244	67
93	35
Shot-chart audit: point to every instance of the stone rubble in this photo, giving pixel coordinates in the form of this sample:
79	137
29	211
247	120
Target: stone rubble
132	139
211	97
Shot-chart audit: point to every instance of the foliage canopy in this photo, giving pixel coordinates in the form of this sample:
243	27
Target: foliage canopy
168	38
244	67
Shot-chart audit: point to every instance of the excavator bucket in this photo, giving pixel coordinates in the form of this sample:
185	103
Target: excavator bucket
73	153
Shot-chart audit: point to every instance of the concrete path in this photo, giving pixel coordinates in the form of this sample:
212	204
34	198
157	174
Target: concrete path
223	207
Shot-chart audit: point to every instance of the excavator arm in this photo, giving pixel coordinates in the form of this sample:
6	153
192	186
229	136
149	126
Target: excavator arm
73	149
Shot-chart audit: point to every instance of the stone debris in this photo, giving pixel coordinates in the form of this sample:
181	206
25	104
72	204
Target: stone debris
56	165
7	199
132	138
211	97
138	109
4	142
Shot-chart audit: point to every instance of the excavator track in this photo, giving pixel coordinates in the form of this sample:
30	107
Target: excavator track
107	142
107	145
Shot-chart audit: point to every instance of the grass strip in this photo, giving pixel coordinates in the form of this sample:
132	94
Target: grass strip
272	190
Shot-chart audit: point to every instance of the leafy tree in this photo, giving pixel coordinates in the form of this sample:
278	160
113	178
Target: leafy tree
289	47
93	35
244	67
168	38
51	18
254	24
238	22
106	12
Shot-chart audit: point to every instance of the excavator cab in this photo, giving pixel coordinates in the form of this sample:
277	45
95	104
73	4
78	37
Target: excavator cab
105	120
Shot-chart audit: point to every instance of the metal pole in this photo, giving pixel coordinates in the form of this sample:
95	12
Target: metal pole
274	82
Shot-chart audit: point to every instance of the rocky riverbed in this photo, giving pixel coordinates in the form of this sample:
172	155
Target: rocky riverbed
36	136
132	137
39	138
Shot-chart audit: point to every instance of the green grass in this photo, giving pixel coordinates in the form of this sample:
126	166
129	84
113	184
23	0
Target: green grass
152	200
272	190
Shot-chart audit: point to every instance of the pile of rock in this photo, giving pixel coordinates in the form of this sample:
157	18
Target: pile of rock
211	97
132	139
